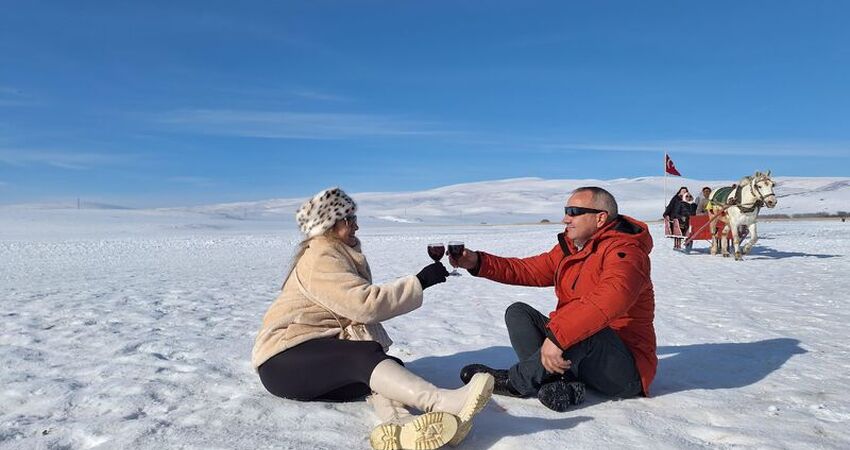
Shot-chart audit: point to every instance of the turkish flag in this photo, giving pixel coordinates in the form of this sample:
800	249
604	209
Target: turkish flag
669	167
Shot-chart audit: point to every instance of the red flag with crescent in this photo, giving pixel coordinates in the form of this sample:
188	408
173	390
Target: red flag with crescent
669	167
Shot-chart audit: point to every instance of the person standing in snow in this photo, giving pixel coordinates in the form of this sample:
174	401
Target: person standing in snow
601	332
672	209
687	208
322	340
671	213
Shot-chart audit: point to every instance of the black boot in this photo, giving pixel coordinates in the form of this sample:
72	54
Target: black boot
558	395
503	384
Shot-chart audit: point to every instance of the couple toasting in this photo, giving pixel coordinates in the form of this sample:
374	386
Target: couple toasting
321	340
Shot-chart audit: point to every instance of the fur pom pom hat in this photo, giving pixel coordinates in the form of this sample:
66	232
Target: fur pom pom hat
320	213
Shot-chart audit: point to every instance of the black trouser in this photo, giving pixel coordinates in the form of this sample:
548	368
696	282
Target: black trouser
601	361
327	369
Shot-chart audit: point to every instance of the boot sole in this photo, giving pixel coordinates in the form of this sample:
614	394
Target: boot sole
462	430
429	431
386	437
559	395
482	387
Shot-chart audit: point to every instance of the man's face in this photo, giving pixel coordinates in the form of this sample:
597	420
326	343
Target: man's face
581	228
706	192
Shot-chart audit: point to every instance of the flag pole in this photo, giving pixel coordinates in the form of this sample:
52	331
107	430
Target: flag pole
664	200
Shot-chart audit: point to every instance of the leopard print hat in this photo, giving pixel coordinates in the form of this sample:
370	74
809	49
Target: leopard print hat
320	213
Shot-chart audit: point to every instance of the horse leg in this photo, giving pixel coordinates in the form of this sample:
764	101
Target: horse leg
754	237
736	243
712	226
724	248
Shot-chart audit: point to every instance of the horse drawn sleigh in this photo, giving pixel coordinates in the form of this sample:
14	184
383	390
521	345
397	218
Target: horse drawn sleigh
736	207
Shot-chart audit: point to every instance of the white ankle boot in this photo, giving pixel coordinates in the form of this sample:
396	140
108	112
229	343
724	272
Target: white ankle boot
401	430
395	382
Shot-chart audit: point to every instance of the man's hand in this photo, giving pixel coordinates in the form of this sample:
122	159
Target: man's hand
552	358
468	260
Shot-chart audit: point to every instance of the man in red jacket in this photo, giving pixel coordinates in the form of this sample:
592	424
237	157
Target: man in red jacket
601	333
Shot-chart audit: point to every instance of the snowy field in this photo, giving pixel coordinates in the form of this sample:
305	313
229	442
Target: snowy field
139	335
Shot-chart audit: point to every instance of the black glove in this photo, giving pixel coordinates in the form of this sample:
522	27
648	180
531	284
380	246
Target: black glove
432	274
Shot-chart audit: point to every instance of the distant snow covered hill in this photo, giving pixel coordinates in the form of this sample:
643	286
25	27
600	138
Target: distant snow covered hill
520	200
533	199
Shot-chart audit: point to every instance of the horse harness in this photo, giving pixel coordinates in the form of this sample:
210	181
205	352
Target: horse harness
754	190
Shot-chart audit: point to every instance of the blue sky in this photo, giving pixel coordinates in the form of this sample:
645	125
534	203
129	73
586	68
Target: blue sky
161	103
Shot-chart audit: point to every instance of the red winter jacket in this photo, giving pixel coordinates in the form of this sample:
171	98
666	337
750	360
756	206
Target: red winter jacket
605	284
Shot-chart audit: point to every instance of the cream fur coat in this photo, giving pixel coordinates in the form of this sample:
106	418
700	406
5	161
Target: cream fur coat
338	276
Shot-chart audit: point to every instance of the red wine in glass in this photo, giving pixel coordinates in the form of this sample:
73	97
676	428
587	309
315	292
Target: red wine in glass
436	251
456	251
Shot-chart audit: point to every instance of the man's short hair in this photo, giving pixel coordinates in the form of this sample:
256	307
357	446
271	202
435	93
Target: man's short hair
601	199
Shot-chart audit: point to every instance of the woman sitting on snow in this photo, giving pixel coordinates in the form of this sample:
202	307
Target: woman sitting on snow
322	339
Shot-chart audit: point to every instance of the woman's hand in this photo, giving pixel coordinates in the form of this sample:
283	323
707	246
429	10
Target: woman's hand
432	274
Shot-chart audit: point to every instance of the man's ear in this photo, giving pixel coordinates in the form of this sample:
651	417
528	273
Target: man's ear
601	220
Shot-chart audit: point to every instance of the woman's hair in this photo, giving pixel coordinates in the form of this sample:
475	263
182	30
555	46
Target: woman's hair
302	247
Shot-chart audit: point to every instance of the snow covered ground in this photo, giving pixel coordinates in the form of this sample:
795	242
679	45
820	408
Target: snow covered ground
133	328
128	329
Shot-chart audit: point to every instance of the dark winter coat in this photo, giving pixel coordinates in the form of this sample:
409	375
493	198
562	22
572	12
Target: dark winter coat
605	284
672	209
683	213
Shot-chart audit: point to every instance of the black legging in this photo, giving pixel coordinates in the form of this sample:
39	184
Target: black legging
327	369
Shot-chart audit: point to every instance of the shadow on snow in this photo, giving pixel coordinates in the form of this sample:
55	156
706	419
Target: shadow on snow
769	253
720	365
680	368
762	252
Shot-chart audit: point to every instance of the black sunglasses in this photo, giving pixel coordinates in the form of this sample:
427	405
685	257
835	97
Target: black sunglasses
350	219
574	211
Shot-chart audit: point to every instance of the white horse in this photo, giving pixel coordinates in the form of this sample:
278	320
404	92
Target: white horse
741	204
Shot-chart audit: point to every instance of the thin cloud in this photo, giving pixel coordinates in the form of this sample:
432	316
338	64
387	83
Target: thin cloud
538	40
282	95
720	147
10	96
61	159
294	125
318	95
714	147
193	181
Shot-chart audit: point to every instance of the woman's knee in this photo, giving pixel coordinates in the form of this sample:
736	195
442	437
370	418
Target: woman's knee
368	355
372	347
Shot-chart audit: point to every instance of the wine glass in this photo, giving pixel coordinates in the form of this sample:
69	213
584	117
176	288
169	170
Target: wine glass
456	251
436	251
